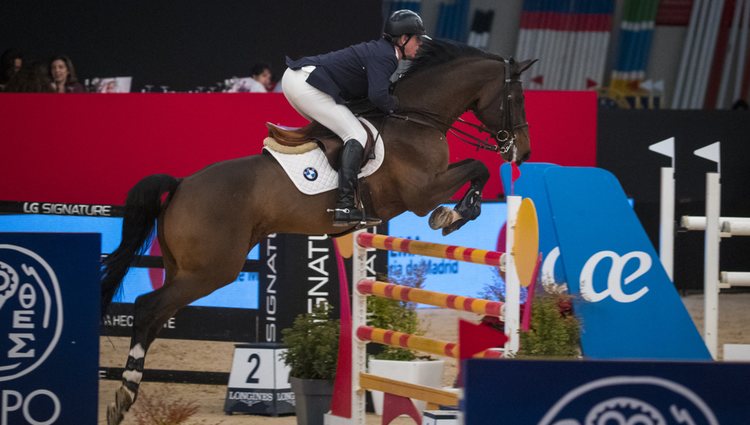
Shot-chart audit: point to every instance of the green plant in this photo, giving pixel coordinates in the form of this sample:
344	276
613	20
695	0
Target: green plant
397	315
554	331
312	344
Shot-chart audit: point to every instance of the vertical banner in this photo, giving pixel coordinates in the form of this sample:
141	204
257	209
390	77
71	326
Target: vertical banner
298	272
49	316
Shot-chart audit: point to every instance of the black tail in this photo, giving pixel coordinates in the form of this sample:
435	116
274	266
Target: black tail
142	208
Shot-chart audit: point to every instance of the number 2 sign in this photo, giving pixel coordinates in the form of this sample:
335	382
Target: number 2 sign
259	381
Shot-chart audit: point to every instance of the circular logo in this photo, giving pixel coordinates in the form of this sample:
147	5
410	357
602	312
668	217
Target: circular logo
31	315
310	173
642	400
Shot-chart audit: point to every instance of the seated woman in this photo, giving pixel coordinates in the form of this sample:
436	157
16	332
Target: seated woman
32	78
63	76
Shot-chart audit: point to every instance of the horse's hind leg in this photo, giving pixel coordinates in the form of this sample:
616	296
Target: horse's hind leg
152	310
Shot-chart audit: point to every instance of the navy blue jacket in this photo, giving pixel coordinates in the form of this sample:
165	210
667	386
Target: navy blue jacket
356	72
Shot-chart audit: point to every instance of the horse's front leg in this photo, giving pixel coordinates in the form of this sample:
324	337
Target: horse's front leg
446	184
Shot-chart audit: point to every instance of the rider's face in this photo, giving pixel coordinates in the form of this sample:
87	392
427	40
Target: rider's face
412	46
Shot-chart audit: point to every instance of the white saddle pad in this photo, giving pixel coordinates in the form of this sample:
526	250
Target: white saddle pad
311	172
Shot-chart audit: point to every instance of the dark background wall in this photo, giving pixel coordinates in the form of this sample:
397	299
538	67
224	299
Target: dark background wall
622	148
185	43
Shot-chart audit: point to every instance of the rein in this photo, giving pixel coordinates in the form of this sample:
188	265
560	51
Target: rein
505	137
459	133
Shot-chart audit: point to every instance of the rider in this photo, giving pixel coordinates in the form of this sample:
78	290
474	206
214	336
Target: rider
319	87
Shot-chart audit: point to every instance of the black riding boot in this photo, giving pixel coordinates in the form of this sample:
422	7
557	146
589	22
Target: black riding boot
346	213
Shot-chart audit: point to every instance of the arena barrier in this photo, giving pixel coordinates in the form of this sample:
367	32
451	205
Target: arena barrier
348	406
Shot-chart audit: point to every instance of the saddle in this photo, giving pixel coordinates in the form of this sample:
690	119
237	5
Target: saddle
296	140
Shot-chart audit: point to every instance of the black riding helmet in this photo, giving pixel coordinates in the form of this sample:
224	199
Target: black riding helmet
402	22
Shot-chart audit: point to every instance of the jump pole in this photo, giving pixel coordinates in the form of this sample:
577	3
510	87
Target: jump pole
734	226
437	299
416	342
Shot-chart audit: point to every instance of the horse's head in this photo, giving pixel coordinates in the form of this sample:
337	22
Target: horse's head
453	78
501	108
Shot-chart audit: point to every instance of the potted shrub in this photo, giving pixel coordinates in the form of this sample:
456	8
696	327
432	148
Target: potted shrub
554	330
312	349
399	363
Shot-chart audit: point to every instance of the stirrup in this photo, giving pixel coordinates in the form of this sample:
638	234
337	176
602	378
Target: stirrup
359	218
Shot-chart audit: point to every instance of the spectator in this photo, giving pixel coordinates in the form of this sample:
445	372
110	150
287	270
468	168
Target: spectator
64	76
32	78
261	75
10	63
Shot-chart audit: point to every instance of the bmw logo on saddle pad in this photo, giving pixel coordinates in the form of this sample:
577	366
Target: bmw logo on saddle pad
310	173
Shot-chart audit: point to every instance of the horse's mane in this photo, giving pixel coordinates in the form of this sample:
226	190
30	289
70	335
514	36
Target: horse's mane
435	52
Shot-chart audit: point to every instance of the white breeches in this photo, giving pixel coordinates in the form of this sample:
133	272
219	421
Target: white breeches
315	105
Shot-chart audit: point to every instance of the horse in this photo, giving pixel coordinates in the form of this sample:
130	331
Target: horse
206	223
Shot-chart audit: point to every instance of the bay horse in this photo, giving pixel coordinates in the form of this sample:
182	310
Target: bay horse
207	223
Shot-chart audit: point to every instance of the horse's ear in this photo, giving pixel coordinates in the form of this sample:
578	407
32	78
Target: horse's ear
523	66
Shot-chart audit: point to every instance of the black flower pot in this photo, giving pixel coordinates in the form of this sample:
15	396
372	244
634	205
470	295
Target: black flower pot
312	398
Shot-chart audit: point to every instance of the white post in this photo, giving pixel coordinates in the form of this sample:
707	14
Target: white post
712	152
512	309
711	263
359	318
666	207
666	221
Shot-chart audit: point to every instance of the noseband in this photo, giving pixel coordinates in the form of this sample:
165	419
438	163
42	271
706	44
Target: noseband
505	137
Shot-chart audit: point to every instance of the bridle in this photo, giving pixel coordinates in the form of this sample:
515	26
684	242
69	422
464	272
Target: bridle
505	137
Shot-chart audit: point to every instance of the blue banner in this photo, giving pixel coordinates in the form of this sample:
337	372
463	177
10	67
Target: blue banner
49	311
627	303
593	241
243	293
605	392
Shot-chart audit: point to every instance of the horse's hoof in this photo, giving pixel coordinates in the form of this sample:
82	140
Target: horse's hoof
114	416
116	411
123	398
441	217
454	226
